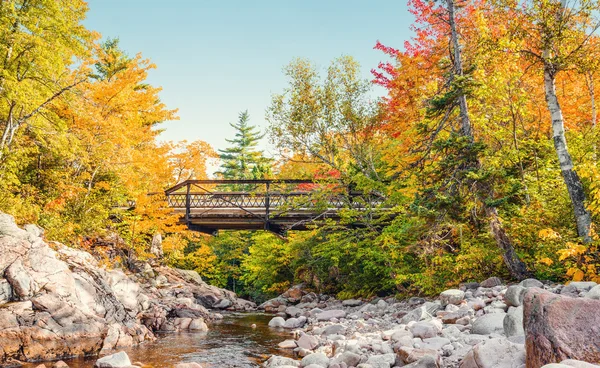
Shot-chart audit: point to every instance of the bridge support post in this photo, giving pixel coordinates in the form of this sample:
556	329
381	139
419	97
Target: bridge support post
187	205
267	206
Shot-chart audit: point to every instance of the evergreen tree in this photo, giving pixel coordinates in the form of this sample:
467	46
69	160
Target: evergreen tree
242	160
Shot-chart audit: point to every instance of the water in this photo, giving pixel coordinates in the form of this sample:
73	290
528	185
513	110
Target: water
229	343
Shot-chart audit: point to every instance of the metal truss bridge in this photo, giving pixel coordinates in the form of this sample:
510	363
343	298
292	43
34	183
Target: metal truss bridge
275	205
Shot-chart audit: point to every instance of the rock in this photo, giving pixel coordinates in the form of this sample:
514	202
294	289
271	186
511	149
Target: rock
352	303
198	324
529	283
513	322
288	344
382	360
594	293
578	364
279	361
489	323
452	296
424	330
514	295
223	304
308	342
559	327
156	246
424	312
451	318
295	322
117	360
318	359
329	314
410	355
23	285
277	322
491	282
435	343
425	362
495	353
333	330
188	365
60	364
293	311
349	358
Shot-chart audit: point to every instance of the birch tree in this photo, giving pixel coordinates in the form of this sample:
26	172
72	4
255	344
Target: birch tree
556	36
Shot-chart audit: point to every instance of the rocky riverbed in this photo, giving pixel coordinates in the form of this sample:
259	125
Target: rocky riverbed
58	302
479	325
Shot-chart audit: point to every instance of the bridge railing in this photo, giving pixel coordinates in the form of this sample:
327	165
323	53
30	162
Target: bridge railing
263	198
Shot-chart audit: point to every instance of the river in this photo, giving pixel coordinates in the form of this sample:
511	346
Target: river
231	342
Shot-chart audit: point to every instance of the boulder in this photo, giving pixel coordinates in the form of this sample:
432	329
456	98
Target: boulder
330	314
288	344
295	322
188	365
452	296
352	303
491	282
559	327
156	246
513	322
495	353
349	358
410	355
279	361
529	283
425	362
489	323
514	295
117	360
382	360
594	293
424	330
277	322
308	342
318	359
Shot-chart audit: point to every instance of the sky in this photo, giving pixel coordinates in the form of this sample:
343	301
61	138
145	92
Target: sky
217	58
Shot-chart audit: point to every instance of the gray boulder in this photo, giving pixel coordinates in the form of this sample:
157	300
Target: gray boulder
514	295
295	322
495	353
330	314
382	361
489	323
424	330
117	360
513	322
452	296
318	359
279	361
277	322
529	283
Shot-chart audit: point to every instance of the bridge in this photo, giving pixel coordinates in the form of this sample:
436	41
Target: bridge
275	205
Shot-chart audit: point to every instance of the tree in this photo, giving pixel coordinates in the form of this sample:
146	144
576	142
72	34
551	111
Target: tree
242	160
331	120
40	42
557	36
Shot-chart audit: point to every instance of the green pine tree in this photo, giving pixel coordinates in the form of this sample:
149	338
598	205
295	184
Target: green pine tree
242	160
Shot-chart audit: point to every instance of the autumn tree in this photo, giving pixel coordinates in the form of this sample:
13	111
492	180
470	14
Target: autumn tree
556	36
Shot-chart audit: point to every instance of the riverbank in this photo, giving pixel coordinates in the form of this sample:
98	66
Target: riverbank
58	302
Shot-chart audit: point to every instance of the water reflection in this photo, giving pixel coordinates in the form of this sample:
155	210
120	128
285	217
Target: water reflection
229	343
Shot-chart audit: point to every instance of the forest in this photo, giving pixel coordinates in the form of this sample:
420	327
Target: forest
483	150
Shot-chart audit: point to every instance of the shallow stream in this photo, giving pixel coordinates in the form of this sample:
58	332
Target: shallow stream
229	343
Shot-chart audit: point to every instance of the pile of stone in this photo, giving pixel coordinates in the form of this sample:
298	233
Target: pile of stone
479	325
58	302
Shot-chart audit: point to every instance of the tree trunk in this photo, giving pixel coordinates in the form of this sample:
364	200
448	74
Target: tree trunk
515	266
572	181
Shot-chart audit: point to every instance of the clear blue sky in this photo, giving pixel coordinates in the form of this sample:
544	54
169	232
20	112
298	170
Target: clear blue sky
217	58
